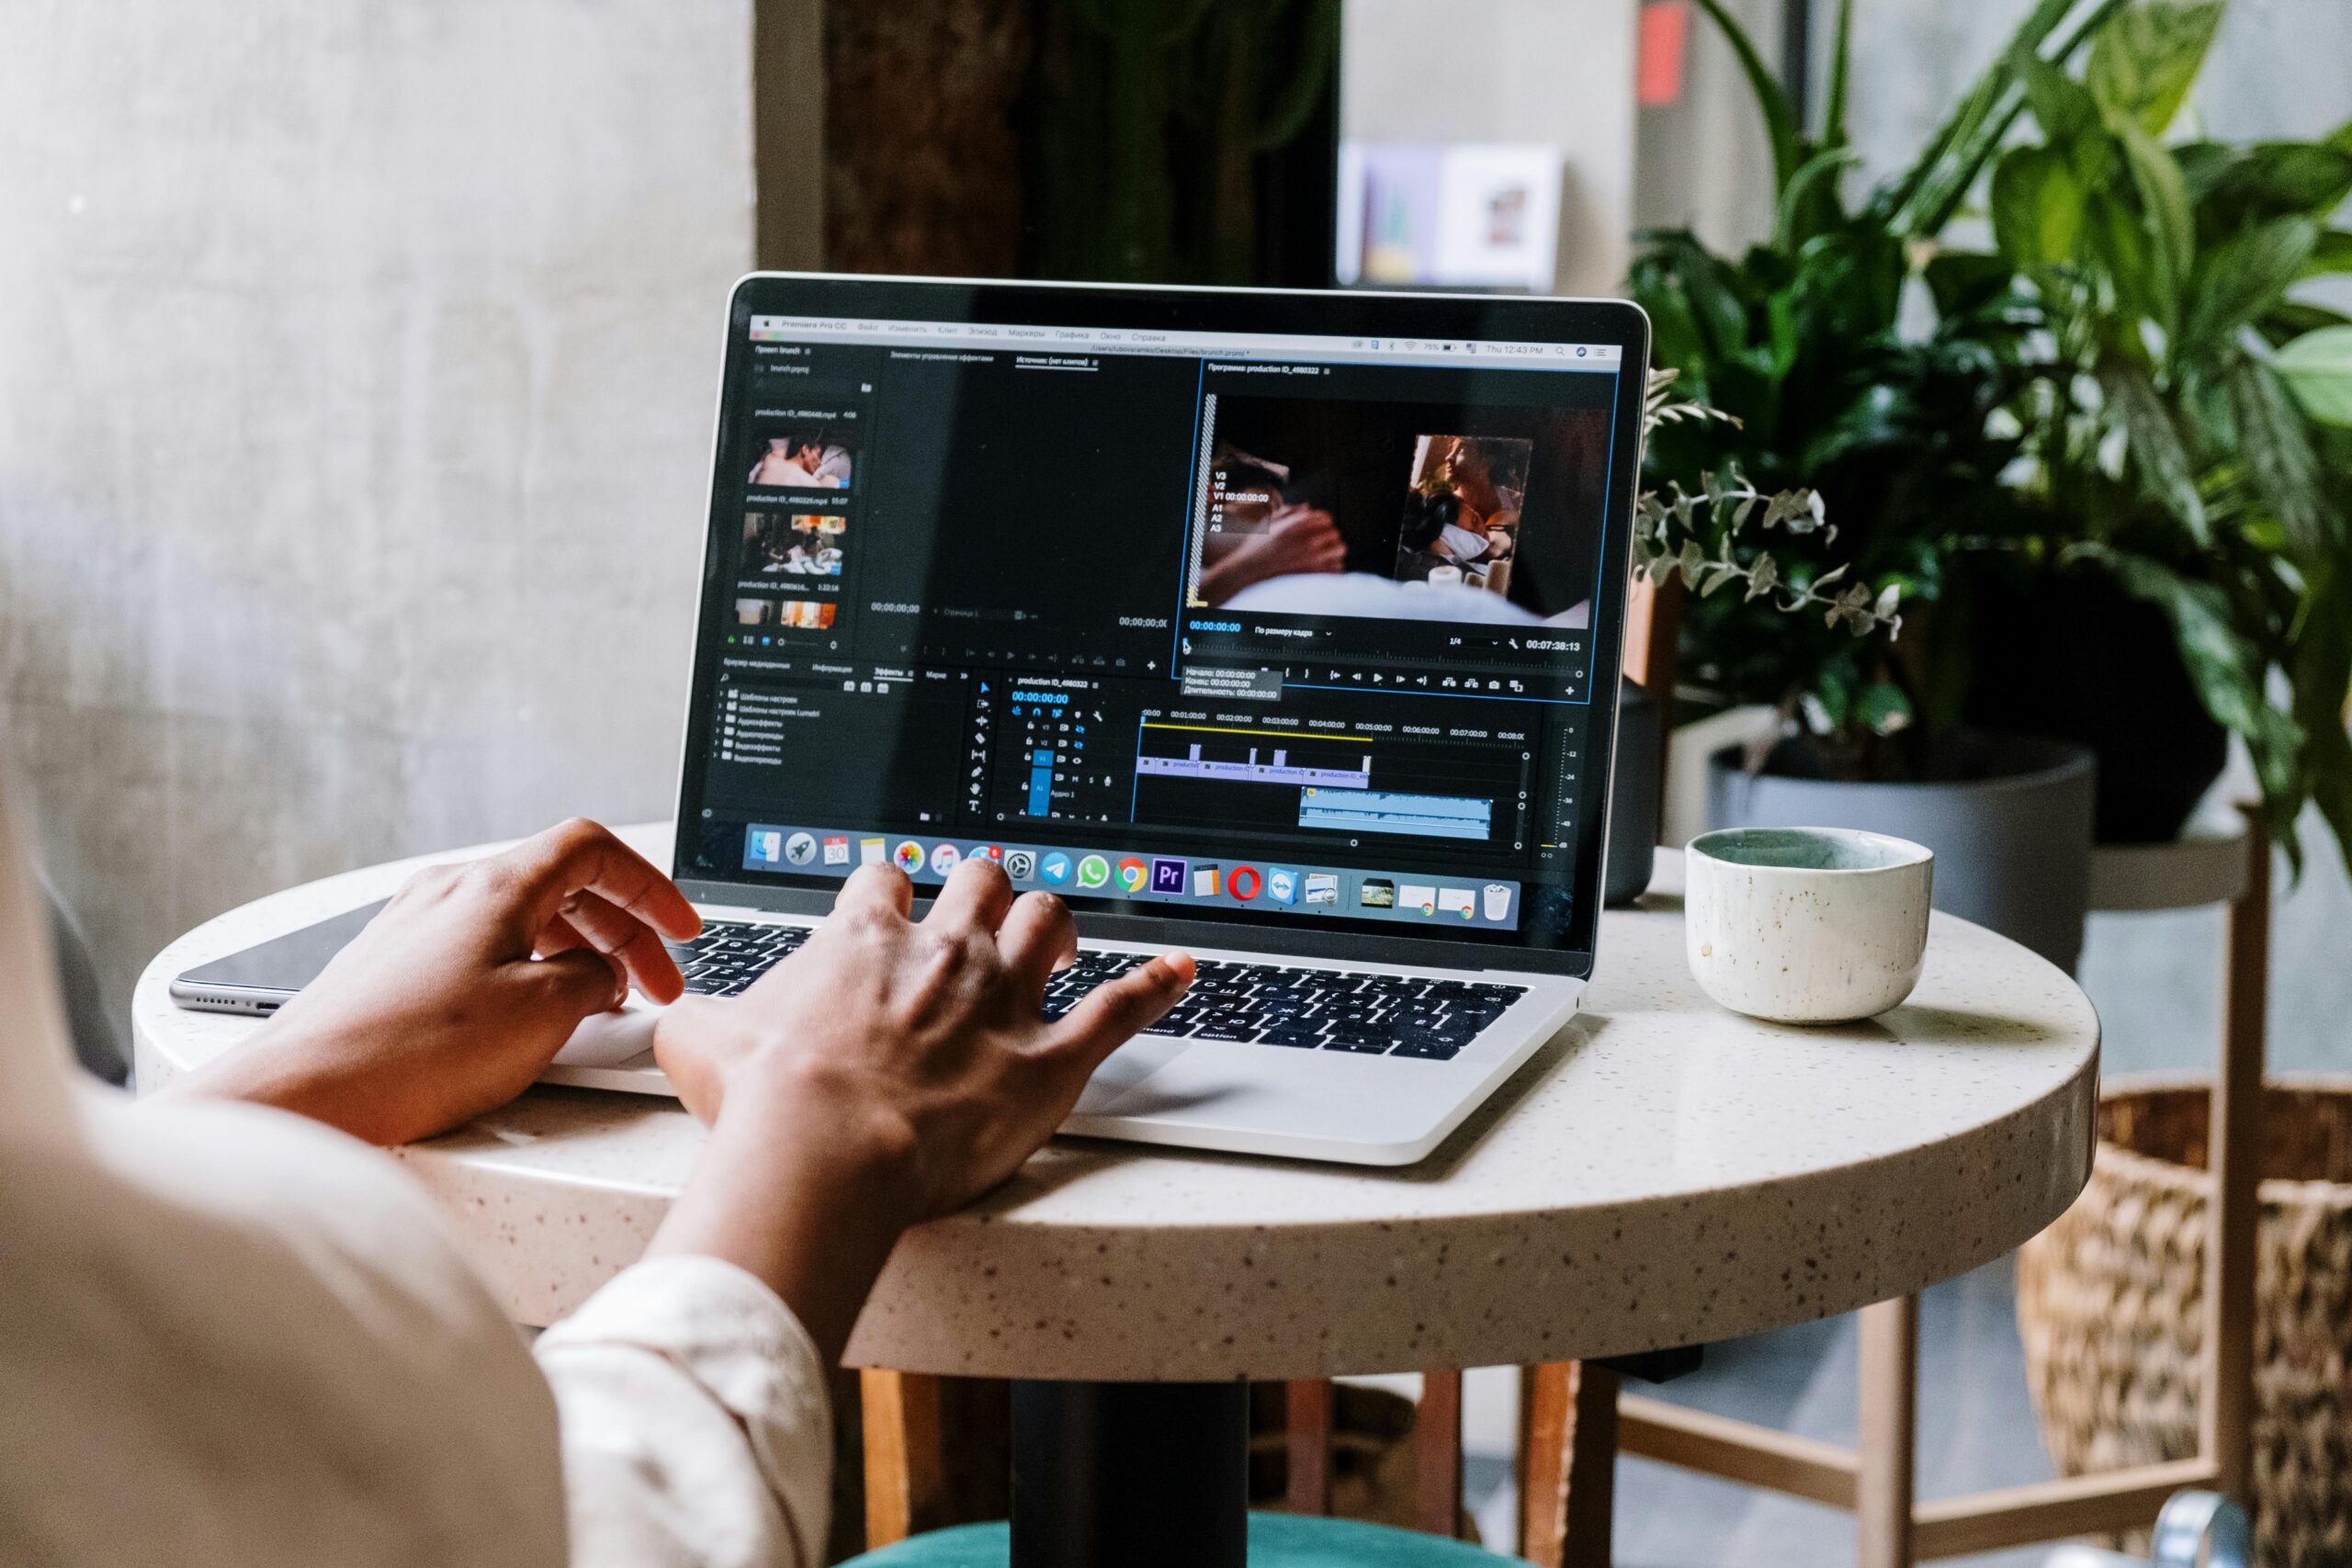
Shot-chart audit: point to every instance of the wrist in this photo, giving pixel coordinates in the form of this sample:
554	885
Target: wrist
806	1183
821	1126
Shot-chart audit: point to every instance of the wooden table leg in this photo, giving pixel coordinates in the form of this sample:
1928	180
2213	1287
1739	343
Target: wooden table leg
1889	1417
1567	1451
1437	1455
2233	1143
1306	1442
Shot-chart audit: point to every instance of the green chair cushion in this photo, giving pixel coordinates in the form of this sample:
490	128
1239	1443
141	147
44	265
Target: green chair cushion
1276	1541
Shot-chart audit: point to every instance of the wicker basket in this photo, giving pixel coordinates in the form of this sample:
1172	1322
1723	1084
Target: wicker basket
2110	1305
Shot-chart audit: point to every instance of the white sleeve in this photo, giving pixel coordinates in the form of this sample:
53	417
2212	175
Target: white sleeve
695	1426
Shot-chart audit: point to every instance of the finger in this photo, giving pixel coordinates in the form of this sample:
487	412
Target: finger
582	982
977	895
580	855
882	889
1038	938
1112	1013
628	941
561	936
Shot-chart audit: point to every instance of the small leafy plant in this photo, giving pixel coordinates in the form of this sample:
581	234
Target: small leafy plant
1671	531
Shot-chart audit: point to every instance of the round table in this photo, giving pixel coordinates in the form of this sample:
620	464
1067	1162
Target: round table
1663	1173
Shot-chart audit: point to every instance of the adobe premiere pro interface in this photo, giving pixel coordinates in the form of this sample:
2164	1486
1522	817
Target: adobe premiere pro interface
1271	628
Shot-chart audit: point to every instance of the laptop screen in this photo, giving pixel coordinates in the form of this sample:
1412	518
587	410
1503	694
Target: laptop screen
1274	630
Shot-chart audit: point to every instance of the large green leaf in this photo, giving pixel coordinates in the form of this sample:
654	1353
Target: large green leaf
2064	107
2037	205
1809	203
2144	60
2242	277
2331	255
2165	199
2270	179
2157	453
2114	237
1923	199
2317	368
1962	281
2286	469
1841	65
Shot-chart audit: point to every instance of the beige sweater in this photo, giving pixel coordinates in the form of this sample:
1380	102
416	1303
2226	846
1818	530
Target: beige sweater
232	1337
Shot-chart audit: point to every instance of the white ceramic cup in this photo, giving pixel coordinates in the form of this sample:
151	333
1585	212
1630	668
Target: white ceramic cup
1807	925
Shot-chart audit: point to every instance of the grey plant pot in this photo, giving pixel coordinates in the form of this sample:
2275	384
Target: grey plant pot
2012	840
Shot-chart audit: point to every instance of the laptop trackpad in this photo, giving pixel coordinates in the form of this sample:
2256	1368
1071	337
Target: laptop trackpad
1127	1066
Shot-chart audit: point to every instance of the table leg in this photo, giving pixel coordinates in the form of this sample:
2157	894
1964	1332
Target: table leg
1890	1408
1143	1475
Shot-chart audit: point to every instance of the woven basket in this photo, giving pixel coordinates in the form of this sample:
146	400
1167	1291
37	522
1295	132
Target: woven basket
2110	1305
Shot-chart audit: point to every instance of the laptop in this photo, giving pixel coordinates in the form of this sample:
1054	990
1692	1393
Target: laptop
1280	626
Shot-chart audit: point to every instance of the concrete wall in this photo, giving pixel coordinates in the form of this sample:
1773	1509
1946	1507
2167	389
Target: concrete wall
1554	72
357	367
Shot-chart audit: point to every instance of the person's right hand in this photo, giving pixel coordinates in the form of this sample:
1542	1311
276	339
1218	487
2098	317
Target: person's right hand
888	1071
1298	540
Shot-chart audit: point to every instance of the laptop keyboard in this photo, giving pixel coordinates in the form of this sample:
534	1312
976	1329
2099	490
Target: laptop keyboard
1302	1009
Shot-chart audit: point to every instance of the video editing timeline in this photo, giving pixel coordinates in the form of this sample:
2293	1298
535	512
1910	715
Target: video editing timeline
976	597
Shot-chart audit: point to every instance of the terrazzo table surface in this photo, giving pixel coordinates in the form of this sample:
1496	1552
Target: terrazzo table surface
1662	1173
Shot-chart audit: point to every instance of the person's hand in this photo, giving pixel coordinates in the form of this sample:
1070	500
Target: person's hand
438	1010
1299	539
887	1072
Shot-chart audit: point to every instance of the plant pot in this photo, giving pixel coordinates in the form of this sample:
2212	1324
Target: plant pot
2110	1305
2008	817
2074	658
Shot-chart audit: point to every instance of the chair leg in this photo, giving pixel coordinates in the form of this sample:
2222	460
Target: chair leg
904	1476
1437	1455
1568	1457
1889	1413
1306	1441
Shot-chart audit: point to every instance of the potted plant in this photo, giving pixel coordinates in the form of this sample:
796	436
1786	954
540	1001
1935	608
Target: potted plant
2187	441
1860	363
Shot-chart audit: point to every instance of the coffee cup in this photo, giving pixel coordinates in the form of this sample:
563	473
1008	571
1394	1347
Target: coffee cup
1807	925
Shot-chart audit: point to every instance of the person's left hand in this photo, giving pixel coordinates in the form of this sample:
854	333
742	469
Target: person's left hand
439	1009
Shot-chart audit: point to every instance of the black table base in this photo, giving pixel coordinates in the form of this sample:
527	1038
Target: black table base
1130	1475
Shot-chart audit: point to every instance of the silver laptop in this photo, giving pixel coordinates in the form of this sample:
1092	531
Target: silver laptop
1280	626
1283	627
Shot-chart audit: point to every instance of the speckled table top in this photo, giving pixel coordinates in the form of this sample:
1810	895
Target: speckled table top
1661	1173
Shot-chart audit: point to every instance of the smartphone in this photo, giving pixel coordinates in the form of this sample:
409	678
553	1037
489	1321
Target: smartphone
263	977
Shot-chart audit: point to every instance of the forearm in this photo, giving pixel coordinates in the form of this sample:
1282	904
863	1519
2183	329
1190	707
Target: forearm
317	1076
804	1191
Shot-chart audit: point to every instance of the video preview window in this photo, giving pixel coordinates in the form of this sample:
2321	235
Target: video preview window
1401	511
793	544
800	455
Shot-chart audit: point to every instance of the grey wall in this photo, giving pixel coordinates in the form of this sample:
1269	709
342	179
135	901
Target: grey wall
357	365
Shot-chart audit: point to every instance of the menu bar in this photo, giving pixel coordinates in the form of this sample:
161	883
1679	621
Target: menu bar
1368	349
1189	880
